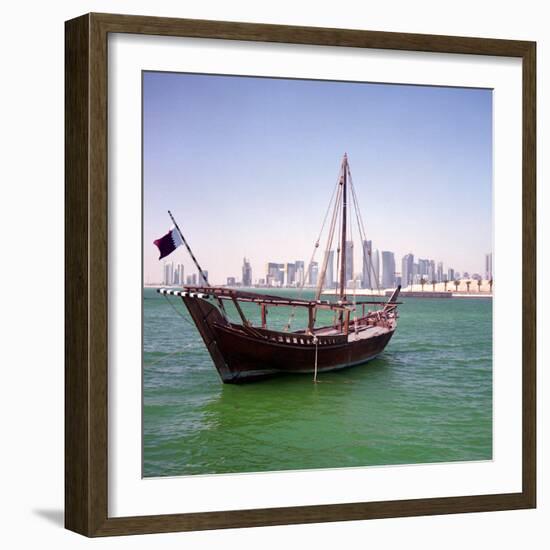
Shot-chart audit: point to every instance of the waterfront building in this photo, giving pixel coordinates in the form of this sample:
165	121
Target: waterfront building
203	281
367	280
431	271
300	272
290	274
423	268
247	273
439	277
178	275
376	268
275	274
313	273
231	281
415	276
168	278
388	269
407	269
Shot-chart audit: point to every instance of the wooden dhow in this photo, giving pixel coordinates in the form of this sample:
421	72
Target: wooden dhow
242	351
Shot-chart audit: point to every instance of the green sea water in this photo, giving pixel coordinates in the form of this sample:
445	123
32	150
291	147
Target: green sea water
427	398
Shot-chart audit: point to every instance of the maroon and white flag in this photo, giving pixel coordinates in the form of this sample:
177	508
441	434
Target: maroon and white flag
169	242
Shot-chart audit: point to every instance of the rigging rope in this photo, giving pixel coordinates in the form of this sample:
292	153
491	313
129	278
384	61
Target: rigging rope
362	232
308	272
177	351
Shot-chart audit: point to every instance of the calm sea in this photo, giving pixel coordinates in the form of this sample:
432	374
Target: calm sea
427	398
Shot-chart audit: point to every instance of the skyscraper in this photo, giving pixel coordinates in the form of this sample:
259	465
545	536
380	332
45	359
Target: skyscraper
376	268
367	281
168	274
178	275
407	269
423	268
489	266
203	280
450	274
275	274
290	274
431	271
388	269
313	273
349	262
247	273
439	277
300	274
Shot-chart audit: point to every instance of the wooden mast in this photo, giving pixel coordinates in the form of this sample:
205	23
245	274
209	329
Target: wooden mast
343	182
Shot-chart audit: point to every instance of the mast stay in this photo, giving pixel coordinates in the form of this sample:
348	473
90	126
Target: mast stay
343	196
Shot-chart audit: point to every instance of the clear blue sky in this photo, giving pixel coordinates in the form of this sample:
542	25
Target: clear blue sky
247	166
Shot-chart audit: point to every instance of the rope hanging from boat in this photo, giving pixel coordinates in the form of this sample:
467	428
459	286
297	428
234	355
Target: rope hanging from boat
179	312
177	351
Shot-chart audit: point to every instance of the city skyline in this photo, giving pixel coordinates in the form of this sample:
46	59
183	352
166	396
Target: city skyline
247	166
295	274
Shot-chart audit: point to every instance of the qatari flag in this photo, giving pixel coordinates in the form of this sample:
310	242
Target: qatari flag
168	243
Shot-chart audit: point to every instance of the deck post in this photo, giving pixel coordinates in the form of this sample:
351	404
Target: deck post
311	312
346	323
245	321
264	315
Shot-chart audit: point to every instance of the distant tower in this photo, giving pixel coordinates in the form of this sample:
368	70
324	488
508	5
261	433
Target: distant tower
313	273
168	274
300	273
431	271
178	276
439	277
290	274
376	268
247	273
388	269
203	280
367	281
275	274
407	270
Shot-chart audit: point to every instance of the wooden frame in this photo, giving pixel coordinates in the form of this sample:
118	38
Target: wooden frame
86	274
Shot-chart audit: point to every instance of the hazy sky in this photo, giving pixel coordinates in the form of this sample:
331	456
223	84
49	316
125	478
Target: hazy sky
248	165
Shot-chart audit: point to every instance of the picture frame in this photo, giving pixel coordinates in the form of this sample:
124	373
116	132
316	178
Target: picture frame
87	281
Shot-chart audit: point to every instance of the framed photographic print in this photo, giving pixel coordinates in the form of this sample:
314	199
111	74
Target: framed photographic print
300	274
